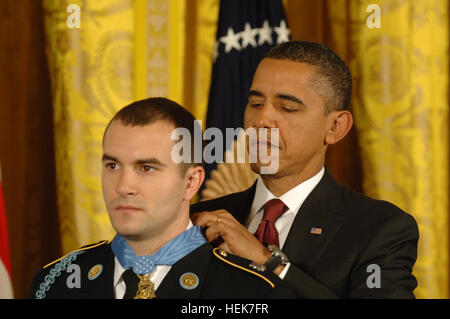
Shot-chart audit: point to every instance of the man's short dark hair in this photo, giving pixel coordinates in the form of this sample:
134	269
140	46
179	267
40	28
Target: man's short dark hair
332	78
151	110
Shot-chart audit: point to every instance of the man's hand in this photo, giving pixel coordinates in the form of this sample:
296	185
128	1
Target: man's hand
236	238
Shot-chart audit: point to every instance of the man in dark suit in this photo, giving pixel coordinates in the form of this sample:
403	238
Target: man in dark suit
323	239
157	252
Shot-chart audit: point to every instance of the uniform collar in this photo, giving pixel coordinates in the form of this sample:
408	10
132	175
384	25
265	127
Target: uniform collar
119	270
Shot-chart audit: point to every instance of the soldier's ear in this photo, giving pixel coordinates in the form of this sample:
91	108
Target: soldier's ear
194	178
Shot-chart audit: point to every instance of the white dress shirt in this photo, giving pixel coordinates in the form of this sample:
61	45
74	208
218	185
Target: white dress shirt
156	277
293	199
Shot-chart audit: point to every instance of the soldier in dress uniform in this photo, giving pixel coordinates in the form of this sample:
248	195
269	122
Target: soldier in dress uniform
157	251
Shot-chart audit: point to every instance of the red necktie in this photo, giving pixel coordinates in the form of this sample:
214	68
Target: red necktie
266	233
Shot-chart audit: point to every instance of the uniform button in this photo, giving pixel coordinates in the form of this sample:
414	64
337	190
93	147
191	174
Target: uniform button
223	253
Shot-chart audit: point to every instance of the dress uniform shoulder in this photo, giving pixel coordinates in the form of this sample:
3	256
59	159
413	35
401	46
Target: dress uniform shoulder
77	251
243	264
48	275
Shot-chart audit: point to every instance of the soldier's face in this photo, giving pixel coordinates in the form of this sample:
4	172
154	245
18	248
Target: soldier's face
281	96
142	187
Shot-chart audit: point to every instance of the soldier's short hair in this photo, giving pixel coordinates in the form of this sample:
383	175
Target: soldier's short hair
151	110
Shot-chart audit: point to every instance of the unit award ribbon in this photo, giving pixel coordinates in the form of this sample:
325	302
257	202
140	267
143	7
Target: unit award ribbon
168	255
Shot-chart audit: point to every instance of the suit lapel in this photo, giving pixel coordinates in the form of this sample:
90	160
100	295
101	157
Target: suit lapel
196	262
323	210
240	203
237	204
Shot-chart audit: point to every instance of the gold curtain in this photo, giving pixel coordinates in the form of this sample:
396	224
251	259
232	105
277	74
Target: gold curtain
124	50
127	50
400	103
201	34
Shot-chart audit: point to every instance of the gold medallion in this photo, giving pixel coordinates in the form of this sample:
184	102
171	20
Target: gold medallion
146	288
189	281
95	272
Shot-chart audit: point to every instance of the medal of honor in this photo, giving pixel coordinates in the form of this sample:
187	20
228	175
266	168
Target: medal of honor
146	289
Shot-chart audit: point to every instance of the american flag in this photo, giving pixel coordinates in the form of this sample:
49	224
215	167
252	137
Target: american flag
316	230
6	289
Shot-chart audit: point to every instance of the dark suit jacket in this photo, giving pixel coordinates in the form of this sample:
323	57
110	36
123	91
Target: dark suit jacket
357	231
219	277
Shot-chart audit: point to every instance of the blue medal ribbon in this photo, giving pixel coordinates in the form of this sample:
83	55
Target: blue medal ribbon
168	255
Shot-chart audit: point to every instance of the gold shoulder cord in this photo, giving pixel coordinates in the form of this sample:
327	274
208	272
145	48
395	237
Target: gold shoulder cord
79	249
217	251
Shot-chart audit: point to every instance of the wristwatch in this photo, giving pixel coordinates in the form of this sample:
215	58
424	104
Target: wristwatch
278	258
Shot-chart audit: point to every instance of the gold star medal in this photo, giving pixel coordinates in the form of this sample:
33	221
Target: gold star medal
146	288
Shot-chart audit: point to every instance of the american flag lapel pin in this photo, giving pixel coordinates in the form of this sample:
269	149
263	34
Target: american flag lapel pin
316	231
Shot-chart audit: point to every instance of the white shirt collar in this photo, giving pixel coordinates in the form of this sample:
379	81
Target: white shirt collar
293	199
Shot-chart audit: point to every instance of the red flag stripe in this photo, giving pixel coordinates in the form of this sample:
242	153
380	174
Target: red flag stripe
4	242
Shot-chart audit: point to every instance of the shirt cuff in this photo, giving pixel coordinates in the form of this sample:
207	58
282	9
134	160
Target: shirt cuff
285	270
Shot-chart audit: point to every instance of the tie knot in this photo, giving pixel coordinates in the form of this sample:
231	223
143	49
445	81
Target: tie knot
273	209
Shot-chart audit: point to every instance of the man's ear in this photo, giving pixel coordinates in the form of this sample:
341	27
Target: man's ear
194	177
342	122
